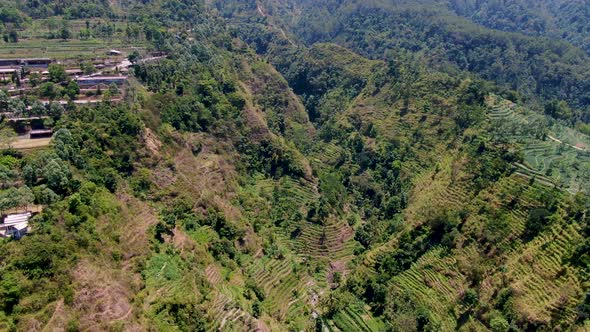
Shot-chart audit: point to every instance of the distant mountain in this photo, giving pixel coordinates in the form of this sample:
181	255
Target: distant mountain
566	19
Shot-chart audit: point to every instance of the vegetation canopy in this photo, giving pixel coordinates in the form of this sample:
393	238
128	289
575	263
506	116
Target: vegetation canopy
294	165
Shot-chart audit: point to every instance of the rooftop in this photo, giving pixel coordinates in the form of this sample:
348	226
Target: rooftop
15	219
101	78
41	131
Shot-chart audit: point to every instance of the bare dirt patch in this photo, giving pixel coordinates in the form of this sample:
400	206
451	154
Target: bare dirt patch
213	274
101	296
151	141
26	143
333	268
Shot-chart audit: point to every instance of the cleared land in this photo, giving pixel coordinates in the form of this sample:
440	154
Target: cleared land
62	49
27	143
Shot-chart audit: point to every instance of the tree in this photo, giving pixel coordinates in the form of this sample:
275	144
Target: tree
10	198
66	147
6	175
3	101
11	290
15	79
38	109
49	90
55	110
35	79
12	36
558	109
29	175
57	73
72	90
17	106
337	278
57	175
44	195
256	309
7	137
88	68
51	23
26	196
113	89
336	302
64	32
133	57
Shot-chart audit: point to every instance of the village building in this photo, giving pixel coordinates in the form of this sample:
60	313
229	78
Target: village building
15	225
100	80
6	73
33	62
74	72
40	133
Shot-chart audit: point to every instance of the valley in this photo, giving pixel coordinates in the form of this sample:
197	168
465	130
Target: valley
292	166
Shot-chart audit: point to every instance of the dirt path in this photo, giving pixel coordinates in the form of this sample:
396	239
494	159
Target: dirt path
261	12
561	142
58	311
259	8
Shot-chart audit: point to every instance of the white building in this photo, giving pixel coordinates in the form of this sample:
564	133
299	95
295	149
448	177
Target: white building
15	225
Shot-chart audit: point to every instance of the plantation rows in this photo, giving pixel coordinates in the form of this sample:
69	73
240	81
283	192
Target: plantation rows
332	240
356	318
282	285
550	160
435	282
61	49
224	312
544	287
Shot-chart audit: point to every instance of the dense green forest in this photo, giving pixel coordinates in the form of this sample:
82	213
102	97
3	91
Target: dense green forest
557	19
299	165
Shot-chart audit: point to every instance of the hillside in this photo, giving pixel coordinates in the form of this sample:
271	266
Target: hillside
292	166
555	19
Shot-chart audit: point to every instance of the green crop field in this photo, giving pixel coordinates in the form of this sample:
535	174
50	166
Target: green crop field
60	49
552	153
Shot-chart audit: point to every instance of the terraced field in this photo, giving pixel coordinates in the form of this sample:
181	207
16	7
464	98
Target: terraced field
435	282
552	153
356	318
60	49
332	240
538	277
225	314
286	286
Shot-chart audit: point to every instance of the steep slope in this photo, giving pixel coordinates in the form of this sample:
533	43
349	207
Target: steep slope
254	179
556	19
379	29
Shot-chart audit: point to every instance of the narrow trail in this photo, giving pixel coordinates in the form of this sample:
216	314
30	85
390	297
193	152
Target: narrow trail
561	142
58	310
261	12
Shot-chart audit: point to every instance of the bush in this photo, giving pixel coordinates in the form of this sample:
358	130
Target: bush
499	324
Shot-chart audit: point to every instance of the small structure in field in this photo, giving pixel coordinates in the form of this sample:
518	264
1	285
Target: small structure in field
36	62
40	133
74	71
114	52
100	80
15	225
6	73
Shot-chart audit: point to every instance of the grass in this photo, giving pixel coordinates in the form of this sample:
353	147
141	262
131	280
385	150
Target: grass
355	318
64	49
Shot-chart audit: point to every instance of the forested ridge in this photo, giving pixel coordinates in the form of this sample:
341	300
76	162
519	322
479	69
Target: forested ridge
339	165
